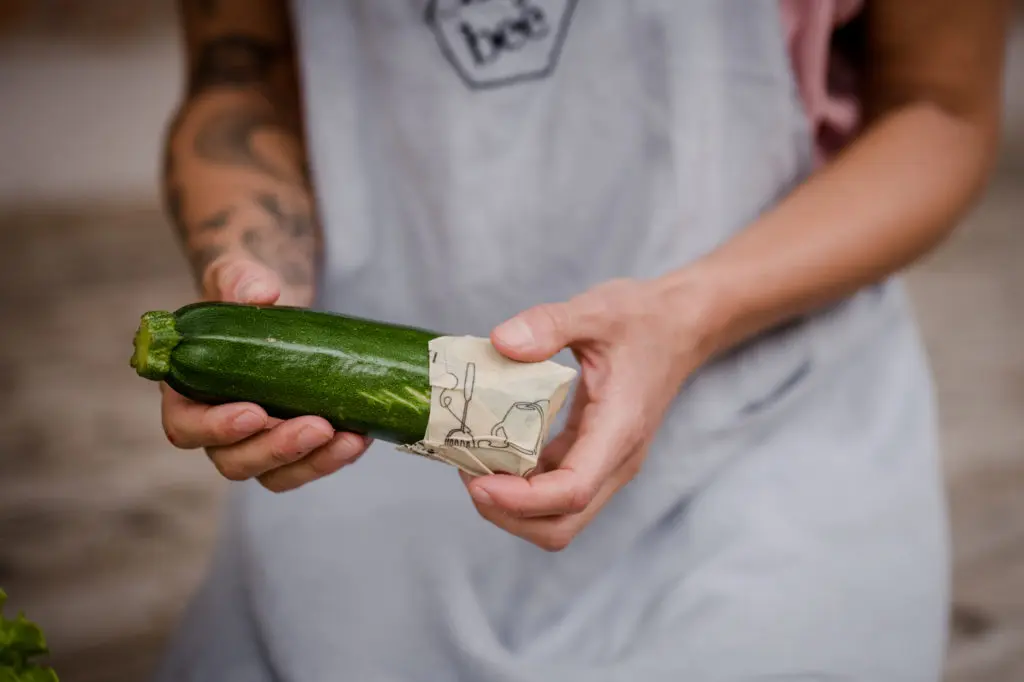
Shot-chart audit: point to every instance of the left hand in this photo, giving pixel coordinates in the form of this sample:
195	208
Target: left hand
635	347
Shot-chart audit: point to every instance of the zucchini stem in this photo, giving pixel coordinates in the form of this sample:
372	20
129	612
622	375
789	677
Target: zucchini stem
154	341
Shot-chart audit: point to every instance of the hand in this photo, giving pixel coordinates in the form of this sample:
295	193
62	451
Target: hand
635	348
240	438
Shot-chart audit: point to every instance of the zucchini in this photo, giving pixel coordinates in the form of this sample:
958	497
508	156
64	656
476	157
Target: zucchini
361	375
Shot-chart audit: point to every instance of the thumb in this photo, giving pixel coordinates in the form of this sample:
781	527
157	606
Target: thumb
241	280
540	332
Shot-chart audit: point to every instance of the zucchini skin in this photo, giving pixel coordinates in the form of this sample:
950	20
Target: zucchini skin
360	375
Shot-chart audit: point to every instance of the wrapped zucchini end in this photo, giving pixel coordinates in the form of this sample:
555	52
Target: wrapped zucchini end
154	341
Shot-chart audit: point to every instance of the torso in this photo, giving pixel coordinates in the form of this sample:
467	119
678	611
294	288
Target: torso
472	159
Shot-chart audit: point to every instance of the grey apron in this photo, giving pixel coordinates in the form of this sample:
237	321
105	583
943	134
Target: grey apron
474	158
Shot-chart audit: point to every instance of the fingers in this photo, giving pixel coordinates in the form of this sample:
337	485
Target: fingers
540	332
189	425
554	452
604	442
274	448
244	443
340	451
581	469
239	280
550	493
553	533
242	440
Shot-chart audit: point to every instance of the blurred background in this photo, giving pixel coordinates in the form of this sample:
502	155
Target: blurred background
104	528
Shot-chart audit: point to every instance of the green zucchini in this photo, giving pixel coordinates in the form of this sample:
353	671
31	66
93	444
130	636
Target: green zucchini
362	376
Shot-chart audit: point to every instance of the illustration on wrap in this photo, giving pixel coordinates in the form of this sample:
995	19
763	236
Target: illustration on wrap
498	438
489	414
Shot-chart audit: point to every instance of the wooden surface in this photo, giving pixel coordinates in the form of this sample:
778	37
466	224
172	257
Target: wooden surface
104	527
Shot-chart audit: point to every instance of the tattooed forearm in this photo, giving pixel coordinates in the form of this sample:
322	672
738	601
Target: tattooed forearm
287	243
284	241
294	267
274	225
234	61
216	221
228	138
295	224
235	179
199	251
202	256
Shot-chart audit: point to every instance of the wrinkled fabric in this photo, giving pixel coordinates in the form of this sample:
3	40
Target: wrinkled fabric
475	159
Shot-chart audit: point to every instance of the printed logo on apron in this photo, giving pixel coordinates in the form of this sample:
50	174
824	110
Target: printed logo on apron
492	43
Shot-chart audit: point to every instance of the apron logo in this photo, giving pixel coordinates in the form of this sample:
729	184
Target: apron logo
500	42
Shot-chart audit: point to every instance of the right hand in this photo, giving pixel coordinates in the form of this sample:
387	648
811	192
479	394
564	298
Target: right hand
240	438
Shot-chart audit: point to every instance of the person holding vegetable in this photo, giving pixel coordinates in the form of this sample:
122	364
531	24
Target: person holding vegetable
747	484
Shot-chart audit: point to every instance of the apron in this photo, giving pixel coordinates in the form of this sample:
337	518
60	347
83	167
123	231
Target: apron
473	158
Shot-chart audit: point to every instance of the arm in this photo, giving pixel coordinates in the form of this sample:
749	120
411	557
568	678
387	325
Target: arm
933	108
234	180
237	192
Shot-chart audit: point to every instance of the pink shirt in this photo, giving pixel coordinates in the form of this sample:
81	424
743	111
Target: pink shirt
825	83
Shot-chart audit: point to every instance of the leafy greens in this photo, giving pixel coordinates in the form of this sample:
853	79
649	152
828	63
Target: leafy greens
20	642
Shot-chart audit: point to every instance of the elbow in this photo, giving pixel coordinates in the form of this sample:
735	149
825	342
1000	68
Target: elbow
980	127
984	136
972	136
969	127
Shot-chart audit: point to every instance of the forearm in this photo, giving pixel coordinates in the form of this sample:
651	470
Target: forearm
235	177
234	185
888	200
932	99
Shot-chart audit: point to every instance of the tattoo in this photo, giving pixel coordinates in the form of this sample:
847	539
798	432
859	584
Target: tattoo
293	228
298	225
270	248
293	272
301	226
297	274
270	204
203	256
227	138
287	244
252	240
285	237
234	61
216	221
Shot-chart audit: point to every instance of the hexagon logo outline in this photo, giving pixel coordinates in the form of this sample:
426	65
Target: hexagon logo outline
476	36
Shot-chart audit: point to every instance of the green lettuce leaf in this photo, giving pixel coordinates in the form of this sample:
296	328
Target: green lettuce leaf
21	641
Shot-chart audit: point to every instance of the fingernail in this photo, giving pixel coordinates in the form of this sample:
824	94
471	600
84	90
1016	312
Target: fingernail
351	444
247	422
251	289
515	332
482	497
309	438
